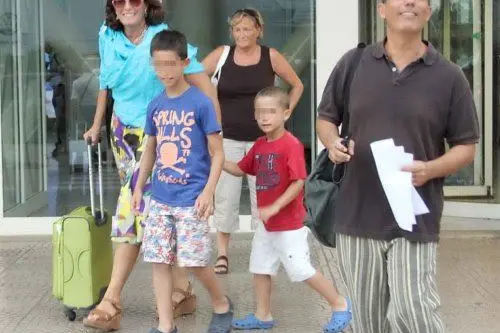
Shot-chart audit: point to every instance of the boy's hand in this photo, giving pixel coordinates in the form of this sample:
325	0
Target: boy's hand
136	201
267	212
204	205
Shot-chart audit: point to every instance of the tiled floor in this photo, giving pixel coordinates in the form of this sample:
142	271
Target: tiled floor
468	280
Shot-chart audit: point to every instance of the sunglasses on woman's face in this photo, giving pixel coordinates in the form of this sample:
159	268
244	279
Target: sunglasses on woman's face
119	4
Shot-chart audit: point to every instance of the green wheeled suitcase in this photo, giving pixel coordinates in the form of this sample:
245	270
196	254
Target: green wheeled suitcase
82	252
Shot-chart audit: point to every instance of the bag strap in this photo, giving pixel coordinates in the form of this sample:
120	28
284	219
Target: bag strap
221	62
351	69
338	170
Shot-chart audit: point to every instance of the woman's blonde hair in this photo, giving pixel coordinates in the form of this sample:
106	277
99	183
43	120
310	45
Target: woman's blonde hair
252	14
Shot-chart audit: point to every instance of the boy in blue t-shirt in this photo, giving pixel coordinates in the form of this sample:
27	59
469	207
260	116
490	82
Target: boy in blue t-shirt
185	148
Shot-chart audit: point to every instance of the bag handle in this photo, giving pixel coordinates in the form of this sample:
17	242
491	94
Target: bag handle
222	60
99	218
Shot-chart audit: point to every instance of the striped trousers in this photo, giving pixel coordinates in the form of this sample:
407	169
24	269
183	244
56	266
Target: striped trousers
392	285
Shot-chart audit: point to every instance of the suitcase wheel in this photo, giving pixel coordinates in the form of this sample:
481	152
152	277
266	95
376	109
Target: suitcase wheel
70	314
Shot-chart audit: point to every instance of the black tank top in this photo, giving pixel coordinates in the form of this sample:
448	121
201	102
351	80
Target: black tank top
237	88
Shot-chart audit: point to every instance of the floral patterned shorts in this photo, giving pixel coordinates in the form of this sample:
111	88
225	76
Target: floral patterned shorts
174	235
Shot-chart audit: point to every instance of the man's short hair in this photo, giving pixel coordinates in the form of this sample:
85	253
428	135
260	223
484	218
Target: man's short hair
278	93
170	40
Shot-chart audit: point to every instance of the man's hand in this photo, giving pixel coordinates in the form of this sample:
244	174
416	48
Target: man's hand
420	172
136	201
204	205
338	153
267	212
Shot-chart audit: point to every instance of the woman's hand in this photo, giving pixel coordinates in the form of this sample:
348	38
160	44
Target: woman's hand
92	134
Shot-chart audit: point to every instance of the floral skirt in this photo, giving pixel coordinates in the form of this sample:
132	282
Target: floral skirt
127	144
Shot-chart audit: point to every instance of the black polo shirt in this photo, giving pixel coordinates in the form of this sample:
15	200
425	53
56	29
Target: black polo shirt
429	102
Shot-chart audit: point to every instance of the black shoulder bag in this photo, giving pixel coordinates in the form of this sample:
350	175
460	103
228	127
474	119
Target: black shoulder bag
323	184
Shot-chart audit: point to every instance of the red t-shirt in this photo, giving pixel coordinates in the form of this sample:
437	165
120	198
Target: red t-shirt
276	165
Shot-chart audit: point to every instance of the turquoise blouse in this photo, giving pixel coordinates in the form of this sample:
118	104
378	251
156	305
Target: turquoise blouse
126	70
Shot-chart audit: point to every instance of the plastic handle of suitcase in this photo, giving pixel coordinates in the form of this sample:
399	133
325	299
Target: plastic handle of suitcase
100	219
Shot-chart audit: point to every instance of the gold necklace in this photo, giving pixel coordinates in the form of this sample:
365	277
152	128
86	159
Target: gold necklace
138	39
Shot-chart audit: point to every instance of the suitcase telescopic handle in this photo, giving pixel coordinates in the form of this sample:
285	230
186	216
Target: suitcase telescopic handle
98	217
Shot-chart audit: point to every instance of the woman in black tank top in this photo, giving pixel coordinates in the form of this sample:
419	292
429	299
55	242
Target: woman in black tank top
248	68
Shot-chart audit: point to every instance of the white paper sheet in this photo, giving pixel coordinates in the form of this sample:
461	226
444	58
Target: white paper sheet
404	200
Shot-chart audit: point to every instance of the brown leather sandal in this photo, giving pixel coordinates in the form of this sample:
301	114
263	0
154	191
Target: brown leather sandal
187	305
103	320
221	269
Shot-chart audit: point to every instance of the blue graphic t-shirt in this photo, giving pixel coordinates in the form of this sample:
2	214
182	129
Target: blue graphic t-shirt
181	125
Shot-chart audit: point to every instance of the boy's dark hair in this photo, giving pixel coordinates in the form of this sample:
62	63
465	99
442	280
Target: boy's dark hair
170	40
278	93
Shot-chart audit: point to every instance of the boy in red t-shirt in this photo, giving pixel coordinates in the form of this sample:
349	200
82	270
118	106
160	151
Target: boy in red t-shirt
277	160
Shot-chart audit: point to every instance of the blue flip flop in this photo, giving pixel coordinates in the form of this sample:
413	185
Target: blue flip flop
250	322
339	320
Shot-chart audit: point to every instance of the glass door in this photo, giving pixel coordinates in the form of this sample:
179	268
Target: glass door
21	100
461	30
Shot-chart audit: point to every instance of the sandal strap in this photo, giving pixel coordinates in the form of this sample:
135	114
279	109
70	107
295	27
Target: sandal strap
225	258
186	293
115	304
100	314
104	315
220	258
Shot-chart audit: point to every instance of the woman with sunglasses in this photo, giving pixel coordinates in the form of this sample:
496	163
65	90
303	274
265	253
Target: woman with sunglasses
249	67
124	48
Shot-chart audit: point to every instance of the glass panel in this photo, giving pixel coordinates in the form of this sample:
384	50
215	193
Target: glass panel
71	71
69	39
456	29
496	70
8	103
32	175
22	143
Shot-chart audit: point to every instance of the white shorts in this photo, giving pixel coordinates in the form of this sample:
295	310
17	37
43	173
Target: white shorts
290	248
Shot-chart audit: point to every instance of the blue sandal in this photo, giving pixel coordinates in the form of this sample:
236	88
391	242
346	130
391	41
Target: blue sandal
250	322
221	322
339	320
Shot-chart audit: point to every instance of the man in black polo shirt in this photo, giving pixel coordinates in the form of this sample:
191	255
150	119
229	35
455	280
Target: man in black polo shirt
405	90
